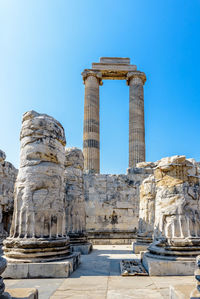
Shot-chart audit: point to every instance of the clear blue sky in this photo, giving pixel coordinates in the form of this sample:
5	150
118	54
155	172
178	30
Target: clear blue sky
45	45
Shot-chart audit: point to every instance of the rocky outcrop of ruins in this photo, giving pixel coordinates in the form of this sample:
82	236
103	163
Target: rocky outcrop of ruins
74	196
38	226
8	174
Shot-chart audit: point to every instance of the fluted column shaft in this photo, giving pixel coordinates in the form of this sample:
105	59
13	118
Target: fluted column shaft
136	119
91	145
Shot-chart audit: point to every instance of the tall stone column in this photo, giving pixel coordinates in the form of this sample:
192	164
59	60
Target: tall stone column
92	80
136	80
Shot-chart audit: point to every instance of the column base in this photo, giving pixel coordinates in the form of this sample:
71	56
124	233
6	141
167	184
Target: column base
157	265
56	269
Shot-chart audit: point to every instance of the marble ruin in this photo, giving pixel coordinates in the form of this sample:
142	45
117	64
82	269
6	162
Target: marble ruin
113	69
177	218
38	225
74	201
58	204
8	175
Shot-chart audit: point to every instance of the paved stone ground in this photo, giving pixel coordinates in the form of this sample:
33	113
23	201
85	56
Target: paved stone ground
98	277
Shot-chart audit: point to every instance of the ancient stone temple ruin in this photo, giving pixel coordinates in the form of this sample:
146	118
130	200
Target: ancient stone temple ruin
60	205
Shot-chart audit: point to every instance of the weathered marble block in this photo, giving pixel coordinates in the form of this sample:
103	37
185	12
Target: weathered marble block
38	227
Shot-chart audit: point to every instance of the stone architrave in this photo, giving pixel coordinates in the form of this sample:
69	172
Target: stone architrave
136	80
92	80
8	175
75	201
146	215
38	227
177	218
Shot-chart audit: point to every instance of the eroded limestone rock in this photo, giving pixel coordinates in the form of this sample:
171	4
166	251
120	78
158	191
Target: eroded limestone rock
75	202
38	227
8	174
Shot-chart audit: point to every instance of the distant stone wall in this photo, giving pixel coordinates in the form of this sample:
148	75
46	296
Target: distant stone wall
112	203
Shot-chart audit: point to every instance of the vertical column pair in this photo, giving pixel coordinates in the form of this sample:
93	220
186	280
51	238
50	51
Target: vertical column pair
92	80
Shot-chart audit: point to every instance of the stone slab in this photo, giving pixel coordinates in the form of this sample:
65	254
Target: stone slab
137	248
167	267
31	293
119	60
186	291
82	248
57	269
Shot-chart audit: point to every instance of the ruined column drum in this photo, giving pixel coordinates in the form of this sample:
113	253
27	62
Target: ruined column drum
75	202
177	215
146	215
92	80
38	227
136	80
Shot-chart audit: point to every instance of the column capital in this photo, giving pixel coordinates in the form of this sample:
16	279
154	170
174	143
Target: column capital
86	73
139	77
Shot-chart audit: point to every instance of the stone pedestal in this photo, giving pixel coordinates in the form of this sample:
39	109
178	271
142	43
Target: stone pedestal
135	80
75	201
177	218
38	228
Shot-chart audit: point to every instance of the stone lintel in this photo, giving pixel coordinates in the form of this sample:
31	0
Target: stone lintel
113	71
118	60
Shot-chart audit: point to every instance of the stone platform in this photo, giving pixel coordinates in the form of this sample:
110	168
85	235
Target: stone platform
138	247
57	269
82	248
161	266
99	277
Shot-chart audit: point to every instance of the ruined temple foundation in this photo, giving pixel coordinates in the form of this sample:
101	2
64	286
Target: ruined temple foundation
38	245
177	218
